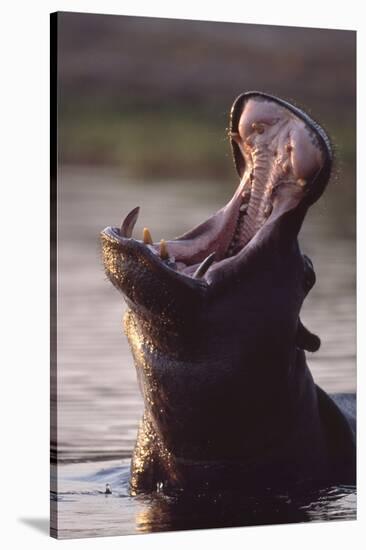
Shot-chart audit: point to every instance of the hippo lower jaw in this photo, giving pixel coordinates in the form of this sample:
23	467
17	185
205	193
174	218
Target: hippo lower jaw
213	321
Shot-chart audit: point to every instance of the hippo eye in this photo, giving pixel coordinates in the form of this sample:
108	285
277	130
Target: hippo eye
309	274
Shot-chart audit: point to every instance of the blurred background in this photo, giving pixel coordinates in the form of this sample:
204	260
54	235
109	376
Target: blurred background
142	118
152	96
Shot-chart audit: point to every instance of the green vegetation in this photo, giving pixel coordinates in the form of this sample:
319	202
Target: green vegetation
178	143
154	144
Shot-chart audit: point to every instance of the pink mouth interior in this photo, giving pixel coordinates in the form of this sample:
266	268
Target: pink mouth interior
282	157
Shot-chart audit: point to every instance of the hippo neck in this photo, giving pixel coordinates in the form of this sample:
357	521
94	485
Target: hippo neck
201	413
286	444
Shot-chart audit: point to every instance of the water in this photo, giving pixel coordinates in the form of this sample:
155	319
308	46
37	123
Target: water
86	511
98	401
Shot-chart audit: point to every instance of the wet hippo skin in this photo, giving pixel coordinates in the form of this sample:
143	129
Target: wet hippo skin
214	329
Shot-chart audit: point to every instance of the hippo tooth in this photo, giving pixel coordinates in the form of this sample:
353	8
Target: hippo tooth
146	236
203	267
286	167
243	208
129	223
258	127
164	254
246	195
301	182
268	210
235	136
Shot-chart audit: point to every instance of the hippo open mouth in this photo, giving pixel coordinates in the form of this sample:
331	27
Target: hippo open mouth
214	329
283	159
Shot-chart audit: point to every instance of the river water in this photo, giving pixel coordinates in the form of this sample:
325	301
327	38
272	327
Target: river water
98	404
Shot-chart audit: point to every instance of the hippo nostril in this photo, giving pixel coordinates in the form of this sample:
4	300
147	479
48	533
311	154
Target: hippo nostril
289	148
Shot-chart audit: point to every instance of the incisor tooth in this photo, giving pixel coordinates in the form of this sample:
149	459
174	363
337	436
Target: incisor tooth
243	208
146	236
301	182
164	254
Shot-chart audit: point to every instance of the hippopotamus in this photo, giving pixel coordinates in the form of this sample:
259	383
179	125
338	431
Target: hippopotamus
213	323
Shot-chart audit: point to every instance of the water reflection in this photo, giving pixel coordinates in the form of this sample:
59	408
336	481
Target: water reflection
171	514
85	510
163	513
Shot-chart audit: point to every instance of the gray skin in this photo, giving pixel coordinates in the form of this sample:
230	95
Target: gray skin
218	345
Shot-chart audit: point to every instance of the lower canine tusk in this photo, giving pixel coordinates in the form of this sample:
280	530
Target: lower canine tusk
203	267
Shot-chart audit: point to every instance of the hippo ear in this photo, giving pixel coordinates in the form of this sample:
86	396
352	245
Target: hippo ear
305	339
